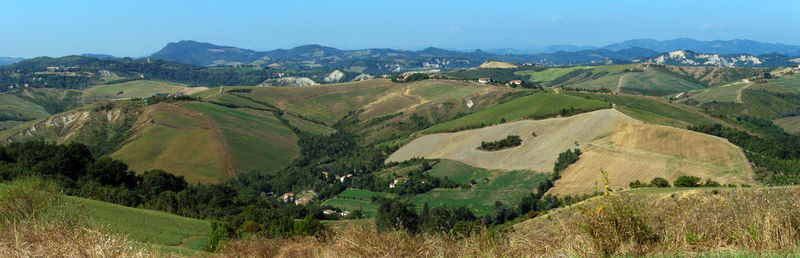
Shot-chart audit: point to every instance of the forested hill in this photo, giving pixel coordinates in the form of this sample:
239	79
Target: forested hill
78	72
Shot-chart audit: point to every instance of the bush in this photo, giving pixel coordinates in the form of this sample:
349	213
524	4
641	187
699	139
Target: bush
27	198
687	181
617	220
659	182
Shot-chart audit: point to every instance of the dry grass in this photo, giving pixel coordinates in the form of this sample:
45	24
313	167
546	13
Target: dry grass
31	239
36	221
761	221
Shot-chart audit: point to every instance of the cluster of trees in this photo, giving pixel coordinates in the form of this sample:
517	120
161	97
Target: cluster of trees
461	221
415	180
693	181
396	214
565	112
656	182
411	78
79	173
508	142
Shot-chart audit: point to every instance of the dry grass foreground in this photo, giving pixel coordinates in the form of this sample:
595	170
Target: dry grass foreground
610	140
742	221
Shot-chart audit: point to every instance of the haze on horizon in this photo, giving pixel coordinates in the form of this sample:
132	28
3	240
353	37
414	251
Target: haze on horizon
139	28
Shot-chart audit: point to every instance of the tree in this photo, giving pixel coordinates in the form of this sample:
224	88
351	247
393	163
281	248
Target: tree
396	214
309	226
687	181
659	182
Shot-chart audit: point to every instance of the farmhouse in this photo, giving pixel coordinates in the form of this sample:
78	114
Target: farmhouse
344	213
328	212
484	80
302	201
288	197
515	82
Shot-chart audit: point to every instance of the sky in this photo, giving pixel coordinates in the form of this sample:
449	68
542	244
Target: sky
34	28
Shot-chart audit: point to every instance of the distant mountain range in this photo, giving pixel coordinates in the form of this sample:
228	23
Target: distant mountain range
723	47
383	60
9	60
735	52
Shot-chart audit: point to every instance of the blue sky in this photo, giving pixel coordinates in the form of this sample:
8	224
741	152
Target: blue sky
138	28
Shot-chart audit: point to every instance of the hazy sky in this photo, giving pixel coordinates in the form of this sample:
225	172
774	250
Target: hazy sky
138	28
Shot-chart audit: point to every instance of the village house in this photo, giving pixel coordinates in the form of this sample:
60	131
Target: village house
344	213
302	201
288	197
515	82
328	212
392	185
484	80
325	173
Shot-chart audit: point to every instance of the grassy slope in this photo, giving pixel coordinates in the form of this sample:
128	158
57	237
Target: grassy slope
132	89
610	82
547	75
651	110
518	109
724	93
307	126
206	142
654	80
789	124
147	226
15	108
791	83
257	139
506	186
325	103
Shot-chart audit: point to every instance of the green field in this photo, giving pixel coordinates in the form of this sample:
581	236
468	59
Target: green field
307	126
354	199
231	99
516	109
15	108
325	103
132	89
508	187
210	145
609	82
791	83
652	82
147	226
789	124
547	75
724	93
651	110
257	140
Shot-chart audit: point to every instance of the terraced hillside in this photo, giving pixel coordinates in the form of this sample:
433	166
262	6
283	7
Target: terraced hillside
609	139
208	143
379	109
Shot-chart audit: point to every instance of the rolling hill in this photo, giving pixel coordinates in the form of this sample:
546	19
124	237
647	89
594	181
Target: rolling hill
202	142
609	139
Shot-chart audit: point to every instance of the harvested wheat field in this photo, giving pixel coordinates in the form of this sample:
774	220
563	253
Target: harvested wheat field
628	148
539	153
638	151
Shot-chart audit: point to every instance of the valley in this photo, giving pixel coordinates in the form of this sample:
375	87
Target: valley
206	158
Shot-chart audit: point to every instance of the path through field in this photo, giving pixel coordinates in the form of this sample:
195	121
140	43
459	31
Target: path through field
739	93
